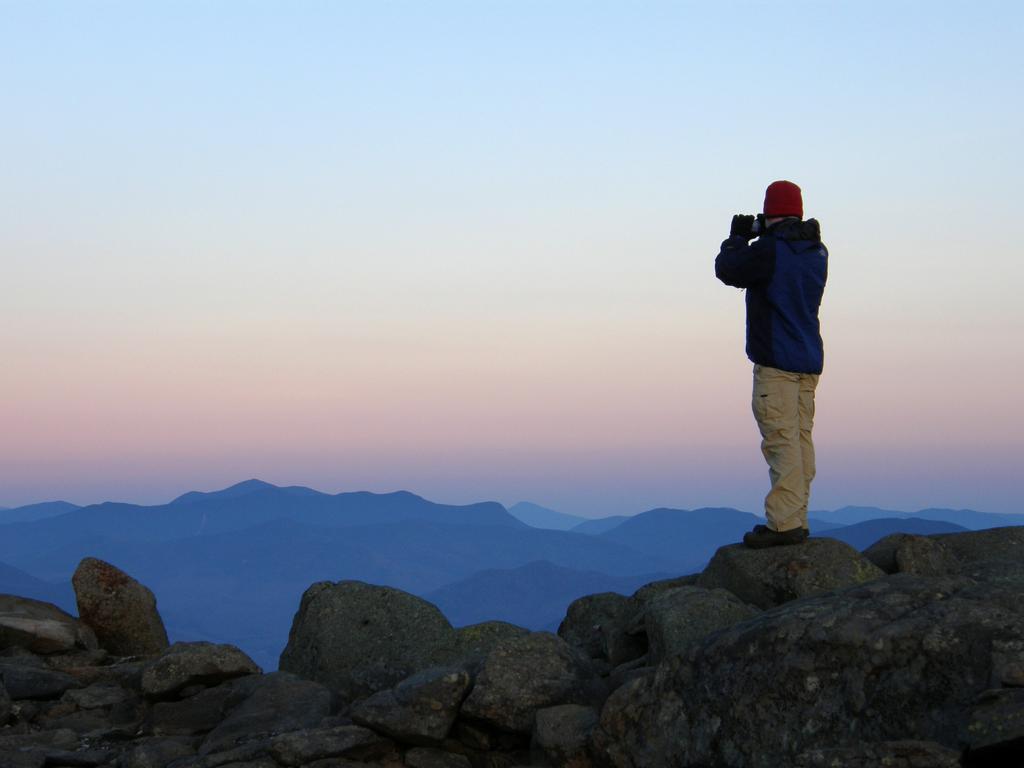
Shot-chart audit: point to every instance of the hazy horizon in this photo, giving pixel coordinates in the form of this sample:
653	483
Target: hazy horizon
467	249
156	501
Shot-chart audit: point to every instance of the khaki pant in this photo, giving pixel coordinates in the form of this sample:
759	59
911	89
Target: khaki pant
783	405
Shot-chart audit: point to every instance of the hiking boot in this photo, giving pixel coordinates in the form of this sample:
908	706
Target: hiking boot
763	537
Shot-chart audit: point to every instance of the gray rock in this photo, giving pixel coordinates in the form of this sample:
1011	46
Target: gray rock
910	553
348	741
623	642
897	658
82	758
770	577
100	711
97	696
25	681
251	752
1008	662
422	757
649	591
995	731
891	754
5	704
190	664
92	722
526	674
883	552
41	627
620	739
26	758
990	544
923	556
474	642
29	750
261	762
157	753
587	616
631	670
127	675
279	702
359	639
419	710
119	609
678	618
472	735
561	733
197	714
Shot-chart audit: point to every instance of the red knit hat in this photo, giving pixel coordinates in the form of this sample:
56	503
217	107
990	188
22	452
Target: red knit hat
782	198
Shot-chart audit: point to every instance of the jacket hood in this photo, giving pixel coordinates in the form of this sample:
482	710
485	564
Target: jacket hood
795	229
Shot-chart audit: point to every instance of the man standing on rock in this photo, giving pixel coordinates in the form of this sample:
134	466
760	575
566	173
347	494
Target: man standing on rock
784	271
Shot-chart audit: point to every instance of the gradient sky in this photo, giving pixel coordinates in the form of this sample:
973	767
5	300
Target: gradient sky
466	248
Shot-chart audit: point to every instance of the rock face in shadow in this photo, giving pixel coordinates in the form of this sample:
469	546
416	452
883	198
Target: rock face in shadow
878	662
275	703
359	638
121	611
770	577
853	668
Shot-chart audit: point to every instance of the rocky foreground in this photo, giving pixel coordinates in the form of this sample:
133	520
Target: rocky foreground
908	655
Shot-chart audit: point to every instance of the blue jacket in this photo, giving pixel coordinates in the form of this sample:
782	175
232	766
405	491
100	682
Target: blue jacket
784	272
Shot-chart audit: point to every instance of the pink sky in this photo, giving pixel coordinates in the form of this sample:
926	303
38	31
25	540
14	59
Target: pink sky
477	263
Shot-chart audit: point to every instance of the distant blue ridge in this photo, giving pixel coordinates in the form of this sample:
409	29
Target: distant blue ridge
231	565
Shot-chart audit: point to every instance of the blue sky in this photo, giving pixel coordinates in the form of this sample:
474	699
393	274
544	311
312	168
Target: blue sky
465	248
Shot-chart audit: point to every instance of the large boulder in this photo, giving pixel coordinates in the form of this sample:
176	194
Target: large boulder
676	619
120	610
903	657
41	627
770	577
419	710
359	638
184	665
526	674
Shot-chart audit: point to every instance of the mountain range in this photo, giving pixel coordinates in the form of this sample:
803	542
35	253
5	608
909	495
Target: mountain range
231	565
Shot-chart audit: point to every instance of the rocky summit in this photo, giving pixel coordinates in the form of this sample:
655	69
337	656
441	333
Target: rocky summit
909	655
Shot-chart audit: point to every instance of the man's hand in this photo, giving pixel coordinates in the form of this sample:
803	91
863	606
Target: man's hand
743	226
